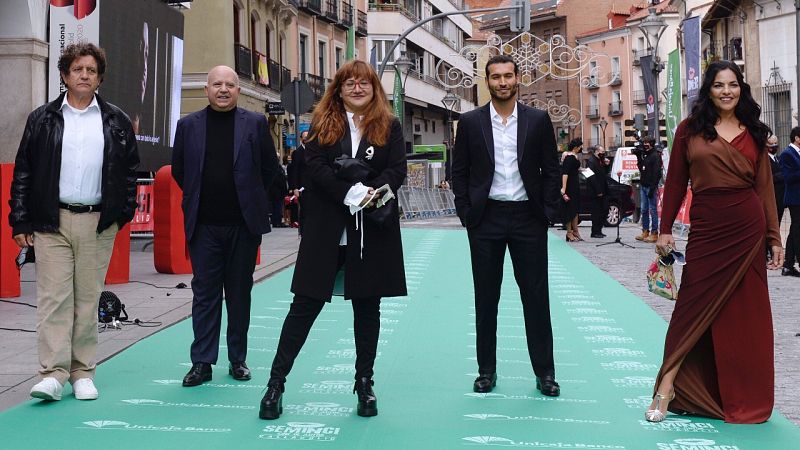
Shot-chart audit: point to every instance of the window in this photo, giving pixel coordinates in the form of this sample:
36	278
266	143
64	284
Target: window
382	46
615	66
303	53
338	58
268	38
253	27
321	58
618	133
237	27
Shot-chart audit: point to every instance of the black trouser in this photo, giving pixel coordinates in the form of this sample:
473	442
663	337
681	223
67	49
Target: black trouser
302	314
599	214
793	241
223	258
512	225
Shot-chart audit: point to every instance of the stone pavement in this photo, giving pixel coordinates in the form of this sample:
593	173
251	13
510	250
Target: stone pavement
164	303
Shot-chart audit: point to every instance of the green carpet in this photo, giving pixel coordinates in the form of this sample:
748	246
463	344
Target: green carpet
608	346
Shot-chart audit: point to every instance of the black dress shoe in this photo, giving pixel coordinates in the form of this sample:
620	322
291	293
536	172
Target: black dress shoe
485	382
598	235
547	386
199	373
239	371
367	402
790	272
272	403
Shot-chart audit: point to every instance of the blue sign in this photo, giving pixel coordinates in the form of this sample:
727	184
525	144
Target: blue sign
290	140
304	126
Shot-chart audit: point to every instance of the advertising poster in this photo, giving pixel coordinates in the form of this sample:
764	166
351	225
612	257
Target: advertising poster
143	41
691	42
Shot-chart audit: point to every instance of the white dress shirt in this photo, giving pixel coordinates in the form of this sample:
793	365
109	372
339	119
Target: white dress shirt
796	148
356	193
81	155
507	182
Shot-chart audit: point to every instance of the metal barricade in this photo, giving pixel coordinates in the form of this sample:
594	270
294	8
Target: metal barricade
425	203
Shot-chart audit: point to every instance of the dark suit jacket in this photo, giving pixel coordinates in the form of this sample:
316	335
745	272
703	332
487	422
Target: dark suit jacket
473	163
380	273
597	183
254	166
790	165
296	170
777	181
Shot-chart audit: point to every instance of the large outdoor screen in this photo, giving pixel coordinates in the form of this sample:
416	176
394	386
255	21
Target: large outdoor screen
143	40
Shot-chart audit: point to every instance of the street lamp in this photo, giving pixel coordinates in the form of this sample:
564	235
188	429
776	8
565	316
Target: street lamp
449	101
404	65
603	124
653	26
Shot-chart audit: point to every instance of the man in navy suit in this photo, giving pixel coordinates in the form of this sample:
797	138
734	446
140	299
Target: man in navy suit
224	160
790	166
506	182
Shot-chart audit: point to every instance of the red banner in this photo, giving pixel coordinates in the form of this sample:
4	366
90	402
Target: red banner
143	219
81	8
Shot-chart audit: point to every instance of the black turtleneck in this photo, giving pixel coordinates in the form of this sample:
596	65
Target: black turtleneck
219	204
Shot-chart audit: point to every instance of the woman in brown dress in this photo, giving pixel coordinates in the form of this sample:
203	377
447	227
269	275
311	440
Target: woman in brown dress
718	353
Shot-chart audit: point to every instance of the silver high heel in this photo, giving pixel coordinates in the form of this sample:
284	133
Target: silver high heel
655	415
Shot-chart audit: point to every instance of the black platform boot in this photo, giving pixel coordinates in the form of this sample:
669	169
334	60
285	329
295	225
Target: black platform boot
367	402
272	403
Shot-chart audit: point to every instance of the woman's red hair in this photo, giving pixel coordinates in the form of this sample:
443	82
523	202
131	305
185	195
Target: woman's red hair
329	122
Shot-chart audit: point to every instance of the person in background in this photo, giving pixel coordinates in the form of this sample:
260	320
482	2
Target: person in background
718	351
296	173
74	187
650	169
571	189
224	161
790	168
597	186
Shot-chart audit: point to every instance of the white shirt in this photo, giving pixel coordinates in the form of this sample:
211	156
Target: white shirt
507	182
81	155
356	193
796	148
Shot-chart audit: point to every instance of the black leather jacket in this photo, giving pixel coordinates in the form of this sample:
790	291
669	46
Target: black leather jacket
37	170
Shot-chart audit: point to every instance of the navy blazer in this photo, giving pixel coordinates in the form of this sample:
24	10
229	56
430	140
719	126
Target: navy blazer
473	163
254	166
790	166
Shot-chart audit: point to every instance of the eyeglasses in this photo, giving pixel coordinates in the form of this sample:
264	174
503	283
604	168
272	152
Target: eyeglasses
350	85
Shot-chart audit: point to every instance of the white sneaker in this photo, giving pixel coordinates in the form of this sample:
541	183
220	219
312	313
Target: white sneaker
47	389
84	389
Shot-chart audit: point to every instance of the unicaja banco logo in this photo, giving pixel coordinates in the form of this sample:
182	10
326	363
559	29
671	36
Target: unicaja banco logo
106	424
488	440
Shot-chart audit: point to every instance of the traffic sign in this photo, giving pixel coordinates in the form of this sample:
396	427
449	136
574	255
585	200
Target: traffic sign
274	108
297	97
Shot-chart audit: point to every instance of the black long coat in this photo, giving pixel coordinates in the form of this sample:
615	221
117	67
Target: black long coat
380	273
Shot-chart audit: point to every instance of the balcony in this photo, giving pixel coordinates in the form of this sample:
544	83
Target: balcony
311	6
392	6
616	79
279	76
592	112
316	83
615	109
639	97
244	61
331	13
361	25
591	82
346	20
638	54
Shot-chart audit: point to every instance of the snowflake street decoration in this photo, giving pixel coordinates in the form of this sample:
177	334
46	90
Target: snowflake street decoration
536	59
558	113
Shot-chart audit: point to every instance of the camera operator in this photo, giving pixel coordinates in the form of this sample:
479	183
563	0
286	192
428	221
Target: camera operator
650	168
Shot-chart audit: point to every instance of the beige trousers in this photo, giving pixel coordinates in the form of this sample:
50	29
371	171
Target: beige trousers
71	267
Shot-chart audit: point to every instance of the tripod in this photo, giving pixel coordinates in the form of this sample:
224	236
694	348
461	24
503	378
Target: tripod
617	240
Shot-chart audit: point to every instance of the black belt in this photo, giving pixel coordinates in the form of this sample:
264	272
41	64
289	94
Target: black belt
77	208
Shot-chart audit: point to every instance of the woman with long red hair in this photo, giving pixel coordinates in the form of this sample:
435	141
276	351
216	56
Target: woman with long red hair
355	148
